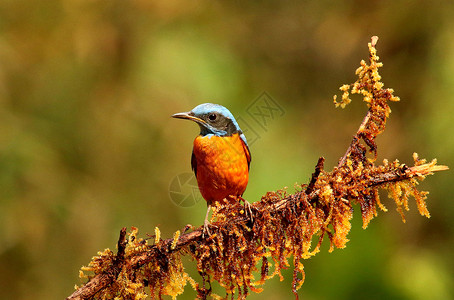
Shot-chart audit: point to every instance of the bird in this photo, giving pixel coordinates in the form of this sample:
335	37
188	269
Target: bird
220	156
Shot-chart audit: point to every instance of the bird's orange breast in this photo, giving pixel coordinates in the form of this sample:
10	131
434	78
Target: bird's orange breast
221	165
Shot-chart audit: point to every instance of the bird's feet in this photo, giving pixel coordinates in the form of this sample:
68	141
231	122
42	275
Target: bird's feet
206	230
248	210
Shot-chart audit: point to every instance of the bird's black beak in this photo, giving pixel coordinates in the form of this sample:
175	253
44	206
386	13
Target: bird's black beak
189	116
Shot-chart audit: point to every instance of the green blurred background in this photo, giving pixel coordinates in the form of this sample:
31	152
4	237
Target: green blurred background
87	144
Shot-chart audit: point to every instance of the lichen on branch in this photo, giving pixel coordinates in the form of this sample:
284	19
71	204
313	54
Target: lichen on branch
246	247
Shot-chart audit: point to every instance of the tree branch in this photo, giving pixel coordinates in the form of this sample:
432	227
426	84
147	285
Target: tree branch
282	225
137	261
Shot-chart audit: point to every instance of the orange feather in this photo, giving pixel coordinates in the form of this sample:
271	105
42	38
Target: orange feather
221	165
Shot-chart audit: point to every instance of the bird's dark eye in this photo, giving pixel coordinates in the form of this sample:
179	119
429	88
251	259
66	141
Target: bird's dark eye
212	117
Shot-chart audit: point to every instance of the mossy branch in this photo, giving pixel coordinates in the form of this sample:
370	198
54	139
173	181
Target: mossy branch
242	247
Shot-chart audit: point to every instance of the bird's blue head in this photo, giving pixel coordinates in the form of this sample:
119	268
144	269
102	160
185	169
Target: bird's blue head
213	119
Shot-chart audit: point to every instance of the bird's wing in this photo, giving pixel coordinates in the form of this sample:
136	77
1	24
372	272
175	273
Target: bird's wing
194	163
247	152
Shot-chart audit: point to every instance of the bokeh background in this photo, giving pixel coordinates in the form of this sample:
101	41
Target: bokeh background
87	144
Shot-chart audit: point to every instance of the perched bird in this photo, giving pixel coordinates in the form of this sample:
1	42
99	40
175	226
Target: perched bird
220	156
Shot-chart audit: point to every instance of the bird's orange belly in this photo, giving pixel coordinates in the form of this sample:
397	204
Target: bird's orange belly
222	167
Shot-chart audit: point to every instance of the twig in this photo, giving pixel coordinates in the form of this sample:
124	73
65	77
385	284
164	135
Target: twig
406	173
355	139
318	169
103	280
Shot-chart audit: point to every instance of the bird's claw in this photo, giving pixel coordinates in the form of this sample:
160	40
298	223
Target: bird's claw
206	230
247	207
